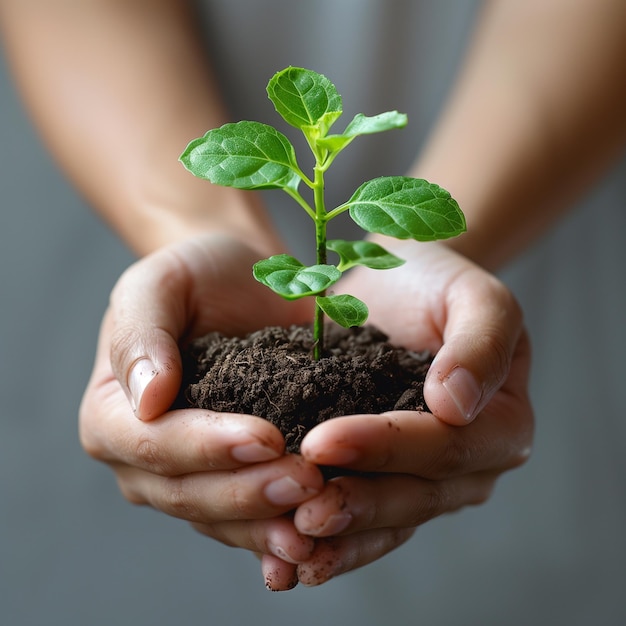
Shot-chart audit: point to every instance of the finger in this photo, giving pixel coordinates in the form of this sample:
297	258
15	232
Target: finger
420	444
483	324
254	492
278	575
178	442
147	316
338	555
352	504
277	537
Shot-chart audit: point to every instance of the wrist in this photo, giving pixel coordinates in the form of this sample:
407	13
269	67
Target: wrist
162	214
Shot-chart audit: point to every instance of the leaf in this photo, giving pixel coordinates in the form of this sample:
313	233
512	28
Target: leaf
245	155
305	99
364	253
406	208
346	310
363	125
290	279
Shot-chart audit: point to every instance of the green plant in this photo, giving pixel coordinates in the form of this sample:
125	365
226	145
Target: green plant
252	155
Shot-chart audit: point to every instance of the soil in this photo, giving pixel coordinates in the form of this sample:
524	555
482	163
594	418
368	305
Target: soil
271	373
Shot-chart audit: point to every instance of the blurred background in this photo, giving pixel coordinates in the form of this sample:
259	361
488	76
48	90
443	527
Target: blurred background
548	548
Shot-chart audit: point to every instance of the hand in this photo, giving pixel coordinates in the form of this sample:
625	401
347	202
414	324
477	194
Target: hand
423	464
182	460
225	473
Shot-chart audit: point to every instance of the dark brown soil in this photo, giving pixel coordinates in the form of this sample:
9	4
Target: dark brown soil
271	373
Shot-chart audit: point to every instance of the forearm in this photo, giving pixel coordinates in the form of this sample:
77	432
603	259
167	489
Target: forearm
117	89
536	116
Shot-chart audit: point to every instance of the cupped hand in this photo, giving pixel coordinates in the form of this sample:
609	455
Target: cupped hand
421	465
225	473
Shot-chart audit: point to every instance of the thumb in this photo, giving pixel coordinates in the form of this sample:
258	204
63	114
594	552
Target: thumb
146	361
483	328
145	323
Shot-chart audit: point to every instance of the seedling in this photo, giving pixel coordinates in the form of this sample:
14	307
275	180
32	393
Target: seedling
252	155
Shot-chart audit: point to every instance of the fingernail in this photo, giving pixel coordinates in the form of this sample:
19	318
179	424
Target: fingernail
284	586
332	526
316	572
464	392
281	553
253	452
142	372
286	490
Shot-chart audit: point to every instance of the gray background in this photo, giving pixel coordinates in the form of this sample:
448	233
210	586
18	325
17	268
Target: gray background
548	548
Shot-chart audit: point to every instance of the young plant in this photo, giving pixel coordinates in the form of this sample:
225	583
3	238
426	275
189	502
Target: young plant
252	155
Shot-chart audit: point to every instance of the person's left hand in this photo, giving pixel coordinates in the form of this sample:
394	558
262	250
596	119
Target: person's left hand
422	465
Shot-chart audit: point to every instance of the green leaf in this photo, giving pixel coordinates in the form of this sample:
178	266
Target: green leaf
305	99
246	155
406	208
363	125
290	279
346	310
364	253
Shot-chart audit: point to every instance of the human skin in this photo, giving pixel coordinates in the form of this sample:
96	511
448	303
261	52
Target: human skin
183	462
520	138
533	120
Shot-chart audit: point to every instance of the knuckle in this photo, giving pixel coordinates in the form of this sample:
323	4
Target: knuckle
148	454
452	458
519	457
483	494
179	500
401	536
495	340
439	497
479	490
497	346
500	294
512	305
433	500
122	348
238	500
90	443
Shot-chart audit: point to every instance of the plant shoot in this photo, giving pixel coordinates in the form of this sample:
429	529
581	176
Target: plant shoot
252	155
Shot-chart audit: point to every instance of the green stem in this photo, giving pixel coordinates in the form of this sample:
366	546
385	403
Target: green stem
337	211
301	201
320	246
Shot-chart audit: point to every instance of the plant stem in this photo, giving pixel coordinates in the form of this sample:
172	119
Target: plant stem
320	247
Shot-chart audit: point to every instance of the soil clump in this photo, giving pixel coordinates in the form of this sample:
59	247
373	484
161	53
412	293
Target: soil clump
271	373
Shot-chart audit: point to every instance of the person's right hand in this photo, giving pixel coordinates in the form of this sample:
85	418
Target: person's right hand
225	473
409	467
